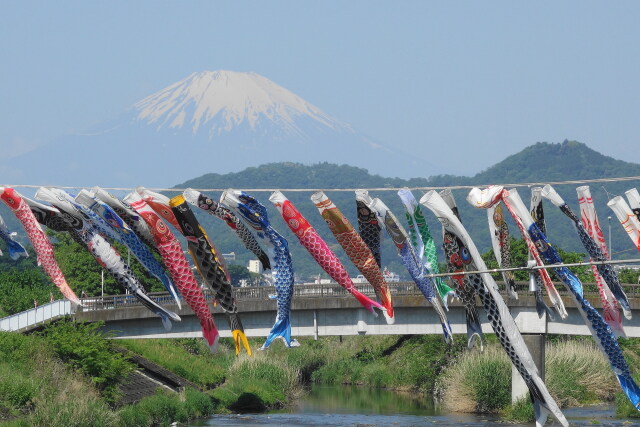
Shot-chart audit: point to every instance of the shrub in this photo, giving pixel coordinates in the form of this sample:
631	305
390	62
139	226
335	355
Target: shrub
85	348
577	372
478	382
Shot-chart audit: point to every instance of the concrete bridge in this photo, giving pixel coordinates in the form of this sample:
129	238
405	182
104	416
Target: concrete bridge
322	310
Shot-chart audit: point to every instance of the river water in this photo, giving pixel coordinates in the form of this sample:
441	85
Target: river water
360	406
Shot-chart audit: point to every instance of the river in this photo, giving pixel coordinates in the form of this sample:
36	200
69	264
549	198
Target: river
360	406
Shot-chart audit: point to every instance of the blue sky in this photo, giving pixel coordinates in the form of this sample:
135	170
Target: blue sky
484	78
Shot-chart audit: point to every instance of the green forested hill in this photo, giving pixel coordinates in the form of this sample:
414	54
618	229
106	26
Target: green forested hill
542	162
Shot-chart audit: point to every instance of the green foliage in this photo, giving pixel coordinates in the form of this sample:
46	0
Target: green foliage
577	373
520	412
519	257
257	383
84	274
400	362
55	411
478	382
20	288
164	408
85	348
238	273
38	387
629	275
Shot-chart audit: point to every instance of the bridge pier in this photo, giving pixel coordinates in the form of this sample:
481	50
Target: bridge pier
536	345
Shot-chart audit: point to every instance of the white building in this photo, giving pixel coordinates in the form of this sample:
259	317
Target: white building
255	266
231	256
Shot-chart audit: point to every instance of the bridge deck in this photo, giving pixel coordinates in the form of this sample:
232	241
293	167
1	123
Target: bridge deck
330	310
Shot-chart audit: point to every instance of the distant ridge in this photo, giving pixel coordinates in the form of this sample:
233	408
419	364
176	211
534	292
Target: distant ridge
541	162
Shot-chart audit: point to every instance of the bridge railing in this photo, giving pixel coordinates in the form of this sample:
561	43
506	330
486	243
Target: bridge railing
262	293
36	316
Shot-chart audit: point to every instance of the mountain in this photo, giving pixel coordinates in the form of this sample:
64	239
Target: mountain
220	121
542	162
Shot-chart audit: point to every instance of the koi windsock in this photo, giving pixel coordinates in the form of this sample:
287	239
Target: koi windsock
319	249
423	242
628	218
216	209
592	225
39	240
356	249
215	274
634	201
499	231
498	314
485	199
535	280
110	224
600	331
369	228
128	215
16	250
178	267
407	254
209	264
256	217
457	257
89	234
611	284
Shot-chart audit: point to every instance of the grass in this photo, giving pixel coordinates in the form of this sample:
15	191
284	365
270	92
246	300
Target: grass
164	408
478	381
189	358
396	362
37	389
577	373
258	383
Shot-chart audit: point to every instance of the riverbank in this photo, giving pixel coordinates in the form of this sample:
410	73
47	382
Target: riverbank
460	380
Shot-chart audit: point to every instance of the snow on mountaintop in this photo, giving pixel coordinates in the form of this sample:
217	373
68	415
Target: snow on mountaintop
223	100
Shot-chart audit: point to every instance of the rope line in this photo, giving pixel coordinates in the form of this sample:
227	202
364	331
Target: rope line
451	187
537	267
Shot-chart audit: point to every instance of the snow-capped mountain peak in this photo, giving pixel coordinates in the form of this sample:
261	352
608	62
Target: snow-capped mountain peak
215	102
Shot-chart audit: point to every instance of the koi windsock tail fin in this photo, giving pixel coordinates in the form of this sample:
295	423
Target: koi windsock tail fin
611	315
237	331
446	326
444	291
631	390
68	293
384	296
367	302
166	315
210	333
281	329
16	250
540	413
542	307
543	403
171	288
511	286
474	328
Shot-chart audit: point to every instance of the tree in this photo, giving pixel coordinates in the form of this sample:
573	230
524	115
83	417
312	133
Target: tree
238	273
519	258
